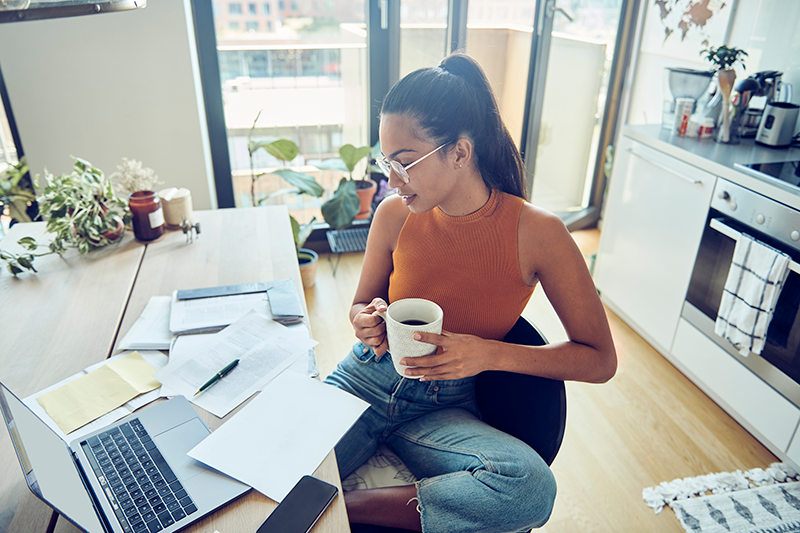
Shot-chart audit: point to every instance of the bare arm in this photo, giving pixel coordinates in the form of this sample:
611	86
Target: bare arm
372	293
548	255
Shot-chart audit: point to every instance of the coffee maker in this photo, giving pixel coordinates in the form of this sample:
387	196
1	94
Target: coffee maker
755	94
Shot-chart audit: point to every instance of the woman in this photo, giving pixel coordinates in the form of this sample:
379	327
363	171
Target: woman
460	233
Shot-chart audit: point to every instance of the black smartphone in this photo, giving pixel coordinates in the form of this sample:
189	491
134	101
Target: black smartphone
301	508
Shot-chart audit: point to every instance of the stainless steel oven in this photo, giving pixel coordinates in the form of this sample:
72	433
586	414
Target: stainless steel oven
736	210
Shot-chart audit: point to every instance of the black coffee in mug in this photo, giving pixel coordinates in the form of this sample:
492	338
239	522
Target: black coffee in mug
413	322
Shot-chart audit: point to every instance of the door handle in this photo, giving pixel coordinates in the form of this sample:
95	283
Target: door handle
665	168
552	9
733	234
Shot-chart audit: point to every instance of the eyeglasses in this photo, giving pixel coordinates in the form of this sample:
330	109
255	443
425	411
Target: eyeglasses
387	166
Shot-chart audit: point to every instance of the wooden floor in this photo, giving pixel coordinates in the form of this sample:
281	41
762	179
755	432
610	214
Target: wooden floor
647	425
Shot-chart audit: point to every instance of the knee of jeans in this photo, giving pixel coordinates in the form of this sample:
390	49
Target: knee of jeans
538	491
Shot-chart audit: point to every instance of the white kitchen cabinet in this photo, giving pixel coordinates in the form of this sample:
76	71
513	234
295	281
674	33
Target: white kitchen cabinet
755	404
654	218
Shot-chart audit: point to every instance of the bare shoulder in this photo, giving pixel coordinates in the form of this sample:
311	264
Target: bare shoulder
537	224
543	240
389	218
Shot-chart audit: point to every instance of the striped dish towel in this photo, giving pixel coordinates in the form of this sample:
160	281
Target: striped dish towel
754	284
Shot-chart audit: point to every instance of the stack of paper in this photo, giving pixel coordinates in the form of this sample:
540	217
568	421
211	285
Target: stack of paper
264	349
213	308
101	394
151	329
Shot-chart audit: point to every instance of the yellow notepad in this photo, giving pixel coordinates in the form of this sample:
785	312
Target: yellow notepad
102	390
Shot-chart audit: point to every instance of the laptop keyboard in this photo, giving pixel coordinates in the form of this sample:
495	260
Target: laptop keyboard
142	489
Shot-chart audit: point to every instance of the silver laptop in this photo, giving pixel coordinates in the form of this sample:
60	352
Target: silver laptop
133	476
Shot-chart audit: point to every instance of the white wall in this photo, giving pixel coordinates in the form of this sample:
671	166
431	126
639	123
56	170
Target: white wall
109	86
768	30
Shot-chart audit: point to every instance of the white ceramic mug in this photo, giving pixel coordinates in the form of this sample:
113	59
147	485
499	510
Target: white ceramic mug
403	319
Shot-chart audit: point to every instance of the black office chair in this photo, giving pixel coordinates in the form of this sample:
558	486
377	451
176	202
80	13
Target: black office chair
531	408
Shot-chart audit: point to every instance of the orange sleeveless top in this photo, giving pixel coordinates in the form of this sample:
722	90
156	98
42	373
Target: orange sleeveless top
468	265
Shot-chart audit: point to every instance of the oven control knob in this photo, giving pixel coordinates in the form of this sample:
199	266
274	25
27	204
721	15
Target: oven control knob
795	235
723	195
760	218
733	205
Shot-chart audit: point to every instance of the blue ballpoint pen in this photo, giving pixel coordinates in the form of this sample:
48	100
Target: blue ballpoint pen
218	376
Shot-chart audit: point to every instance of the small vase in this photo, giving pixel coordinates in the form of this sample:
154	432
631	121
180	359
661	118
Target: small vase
365	189
728	133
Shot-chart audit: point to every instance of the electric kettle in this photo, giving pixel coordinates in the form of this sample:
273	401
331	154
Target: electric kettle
778	124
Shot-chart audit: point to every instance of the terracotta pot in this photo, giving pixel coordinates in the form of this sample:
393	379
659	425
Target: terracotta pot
365	189
308	266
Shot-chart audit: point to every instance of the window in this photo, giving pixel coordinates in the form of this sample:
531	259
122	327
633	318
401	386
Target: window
309	86
233	25
251	8
234	9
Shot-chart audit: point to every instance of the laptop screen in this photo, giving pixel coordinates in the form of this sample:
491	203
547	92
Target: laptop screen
47	463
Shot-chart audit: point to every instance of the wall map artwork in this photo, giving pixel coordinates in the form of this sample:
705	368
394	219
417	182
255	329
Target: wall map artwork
681	28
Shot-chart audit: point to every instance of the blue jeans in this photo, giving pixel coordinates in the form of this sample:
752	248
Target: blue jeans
473	478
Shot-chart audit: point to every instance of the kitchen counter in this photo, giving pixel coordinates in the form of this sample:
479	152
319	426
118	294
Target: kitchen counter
719	159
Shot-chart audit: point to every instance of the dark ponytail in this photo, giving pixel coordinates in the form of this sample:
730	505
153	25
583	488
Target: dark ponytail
455	100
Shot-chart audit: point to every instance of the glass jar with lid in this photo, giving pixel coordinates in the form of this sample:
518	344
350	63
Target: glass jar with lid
148	217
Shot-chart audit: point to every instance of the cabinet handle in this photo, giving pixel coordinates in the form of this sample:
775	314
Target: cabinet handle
728	231
665	168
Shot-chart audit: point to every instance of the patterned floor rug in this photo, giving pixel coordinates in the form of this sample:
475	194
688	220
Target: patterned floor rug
755	501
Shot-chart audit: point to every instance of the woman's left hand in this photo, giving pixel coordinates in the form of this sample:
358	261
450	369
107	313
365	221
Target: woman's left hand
459	356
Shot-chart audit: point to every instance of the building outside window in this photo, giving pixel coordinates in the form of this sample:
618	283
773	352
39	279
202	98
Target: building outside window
305	71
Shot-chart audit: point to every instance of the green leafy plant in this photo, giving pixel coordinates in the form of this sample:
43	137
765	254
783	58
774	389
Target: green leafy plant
301	232
341	209
723	57
285	151
13	192
82	212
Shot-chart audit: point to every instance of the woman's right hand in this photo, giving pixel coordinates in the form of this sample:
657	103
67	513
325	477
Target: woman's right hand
370	327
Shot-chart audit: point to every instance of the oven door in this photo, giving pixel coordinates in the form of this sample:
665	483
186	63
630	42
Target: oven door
779	362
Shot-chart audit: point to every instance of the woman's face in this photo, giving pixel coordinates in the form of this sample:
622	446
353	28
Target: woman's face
431	181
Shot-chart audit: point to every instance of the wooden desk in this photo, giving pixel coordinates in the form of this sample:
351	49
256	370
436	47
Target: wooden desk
234	246
55	323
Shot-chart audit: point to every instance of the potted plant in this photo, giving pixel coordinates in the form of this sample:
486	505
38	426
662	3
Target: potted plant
16	192
285	151
352	199
306	258
723	59
81	210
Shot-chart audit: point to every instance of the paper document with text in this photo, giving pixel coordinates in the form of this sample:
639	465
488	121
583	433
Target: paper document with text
264	349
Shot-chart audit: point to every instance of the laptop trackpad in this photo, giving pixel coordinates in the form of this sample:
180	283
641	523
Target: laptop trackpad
177	441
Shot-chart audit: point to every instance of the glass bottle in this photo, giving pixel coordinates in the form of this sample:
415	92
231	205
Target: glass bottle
148	217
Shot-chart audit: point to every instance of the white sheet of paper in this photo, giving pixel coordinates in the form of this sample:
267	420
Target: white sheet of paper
283	434
151	329
264	349
209	313
157	359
